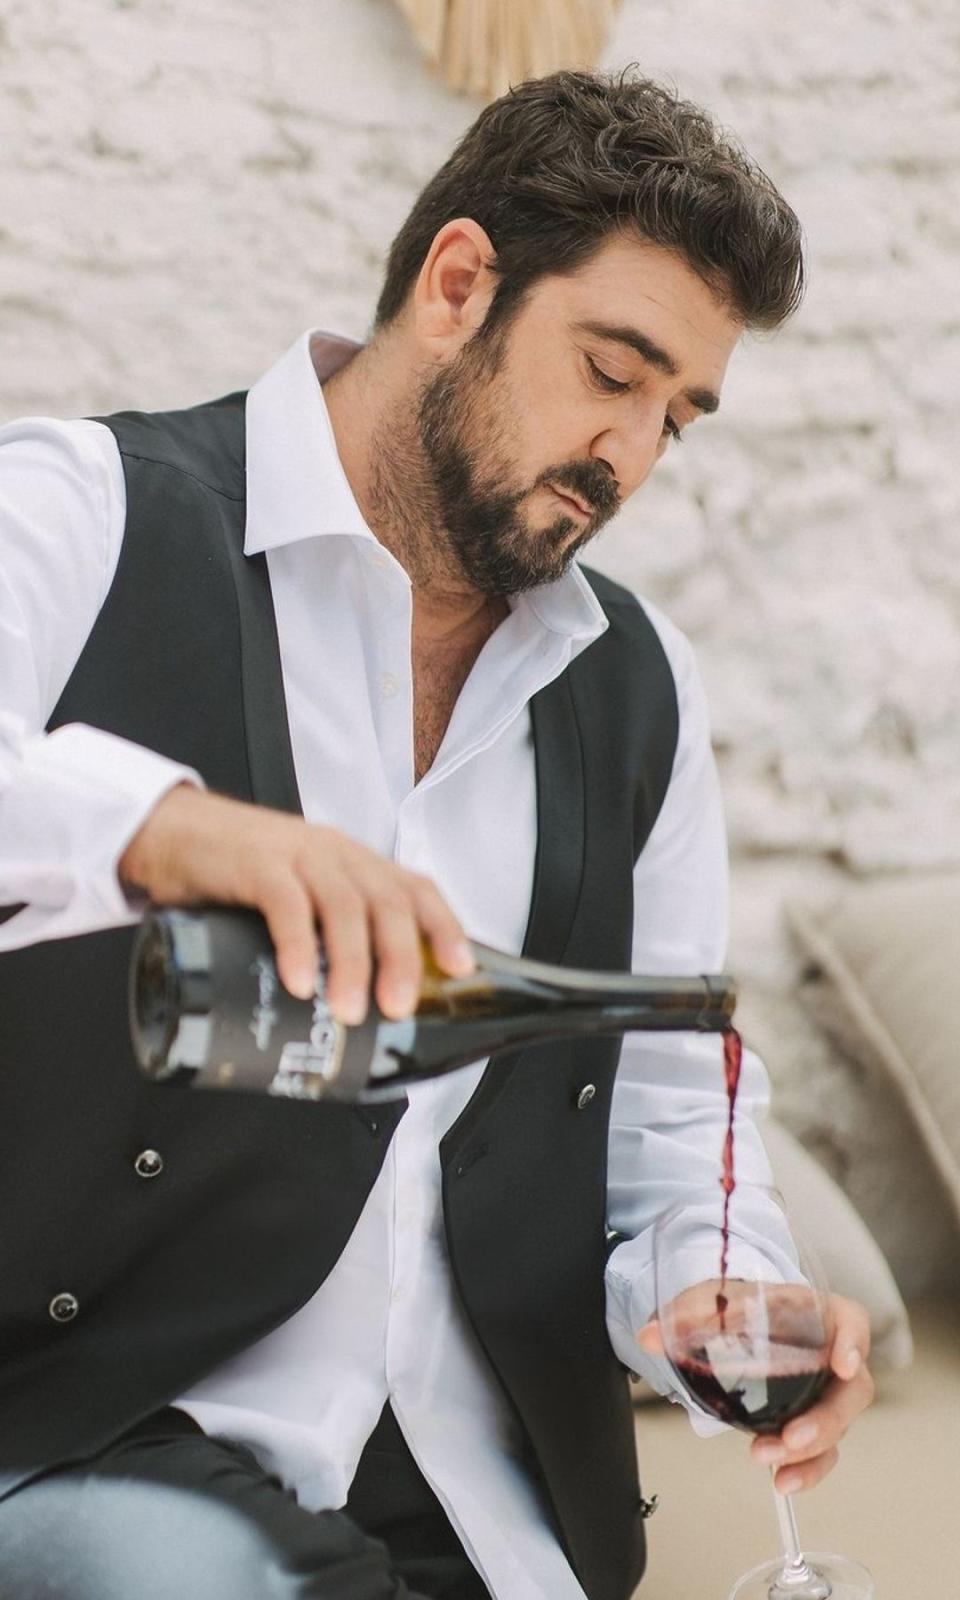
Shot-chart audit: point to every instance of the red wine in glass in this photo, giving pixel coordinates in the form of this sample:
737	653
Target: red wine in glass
760	1397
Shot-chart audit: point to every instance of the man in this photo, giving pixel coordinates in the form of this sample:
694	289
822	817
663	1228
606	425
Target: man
254	1348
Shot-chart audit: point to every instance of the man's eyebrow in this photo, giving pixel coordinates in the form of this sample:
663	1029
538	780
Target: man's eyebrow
622	333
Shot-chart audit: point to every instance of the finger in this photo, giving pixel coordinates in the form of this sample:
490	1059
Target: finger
346	940
650	1338
288	912
829	1419
447	938
398	953
794	1479
851	1338
820	1427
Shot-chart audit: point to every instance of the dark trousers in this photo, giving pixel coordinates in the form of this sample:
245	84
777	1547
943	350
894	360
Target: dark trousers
166	1513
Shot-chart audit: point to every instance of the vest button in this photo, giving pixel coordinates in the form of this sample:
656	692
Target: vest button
585	1096
149	1164
64	1307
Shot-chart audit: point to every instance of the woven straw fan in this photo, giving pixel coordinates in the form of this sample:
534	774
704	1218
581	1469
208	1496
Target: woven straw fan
484	46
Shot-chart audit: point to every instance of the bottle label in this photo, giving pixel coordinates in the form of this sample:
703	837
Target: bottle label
307	1066
265	1015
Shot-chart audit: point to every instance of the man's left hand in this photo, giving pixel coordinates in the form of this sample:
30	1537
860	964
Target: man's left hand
806	1450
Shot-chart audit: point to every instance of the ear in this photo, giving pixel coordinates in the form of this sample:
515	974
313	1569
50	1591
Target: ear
455	286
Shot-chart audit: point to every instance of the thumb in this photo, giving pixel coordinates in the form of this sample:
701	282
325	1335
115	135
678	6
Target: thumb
650	1338
851	1341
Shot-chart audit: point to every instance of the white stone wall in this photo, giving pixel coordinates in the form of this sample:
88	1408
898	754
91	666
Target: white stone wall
183	188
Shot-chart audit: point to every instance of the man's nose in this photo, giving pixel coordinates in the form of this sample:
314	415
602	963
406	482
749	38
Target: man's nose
631	456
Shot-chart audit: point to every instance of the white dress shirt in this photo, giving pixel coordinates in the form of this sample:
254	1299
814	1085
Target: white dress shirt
387	1322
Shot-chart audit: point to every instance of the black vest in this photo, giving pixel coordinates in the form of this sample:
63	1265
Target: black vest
258	1197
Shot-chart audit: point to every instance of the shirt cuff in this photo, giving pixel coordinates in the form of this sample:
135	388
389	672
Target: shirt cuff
71	803
631	1302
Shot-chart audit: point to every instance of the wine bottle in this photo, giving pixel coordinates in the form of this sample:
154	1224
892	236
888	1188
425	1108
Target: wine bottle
208	1008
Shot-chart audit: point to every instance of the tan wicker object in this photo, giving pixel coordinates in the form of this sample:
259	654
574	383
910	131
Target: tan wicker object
483	46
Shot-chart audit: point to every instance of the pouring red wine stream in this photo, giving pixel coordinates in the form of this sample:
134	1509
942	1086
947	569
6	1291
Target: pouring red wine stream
732	1062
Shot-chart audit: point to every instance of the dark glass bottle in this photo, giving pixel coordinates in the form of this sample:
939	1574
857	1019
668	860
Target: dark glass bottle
207	1008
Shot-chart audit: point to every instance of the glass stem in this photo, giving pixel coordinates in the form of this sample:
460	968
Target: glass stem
797	1579
786	1516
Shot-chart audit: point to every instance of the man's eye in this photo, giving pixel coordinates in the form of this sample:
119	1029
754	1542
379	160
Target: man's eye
603	379
673	429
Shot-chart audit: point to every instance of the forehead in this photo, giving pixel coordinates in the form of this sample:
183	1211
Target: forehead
633	283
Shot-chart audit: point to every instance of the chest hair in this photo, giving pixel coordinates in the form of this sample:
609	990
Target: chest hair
438	677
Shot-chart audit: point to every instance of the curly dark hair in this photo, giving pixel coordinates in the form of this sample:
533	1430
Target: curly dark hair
558	164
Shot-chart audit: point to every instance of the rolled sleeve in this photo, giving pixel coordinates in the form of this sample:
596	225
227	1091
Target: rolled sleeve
631	1299
71	800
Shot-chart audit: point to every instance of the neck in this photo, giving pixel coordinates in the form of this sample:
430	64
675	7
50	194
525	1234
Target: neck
372	407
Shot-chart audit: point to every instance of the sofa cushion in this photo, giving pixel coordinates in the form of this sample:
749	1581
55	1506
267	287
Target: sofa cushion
891	951
852	1260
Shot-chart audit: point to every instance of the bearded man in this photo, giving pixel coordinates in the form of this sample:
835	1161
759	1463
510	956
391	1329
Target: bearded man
324	649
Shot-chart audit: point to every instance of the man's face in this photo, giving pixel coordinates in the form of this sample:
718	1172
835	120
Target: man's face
536	434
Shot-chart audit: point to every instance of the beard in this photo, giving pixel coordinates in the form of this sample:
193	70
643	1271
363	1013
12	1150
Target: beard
465	422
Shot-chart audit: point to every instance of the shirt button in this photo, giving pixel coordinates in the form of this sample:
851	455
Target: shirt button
64	1307
388	685
149	1164
585	1096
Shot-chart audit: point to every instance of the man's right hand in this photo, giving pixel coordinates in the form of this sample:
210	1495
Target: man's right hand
196	847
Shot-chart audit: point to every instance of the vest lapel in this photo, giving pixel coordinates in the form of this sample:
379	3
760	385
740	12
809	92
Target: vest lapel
269	754
558	867
557	873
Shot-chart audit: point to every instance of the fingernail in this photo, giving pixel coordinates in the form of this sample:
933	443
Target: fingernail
800	1437
463	957
770	1454
789	1483
353	1008
851	1362
302	982
403	998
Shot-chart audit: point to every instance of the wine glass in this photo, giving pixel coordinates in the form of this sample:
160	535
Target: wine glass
747	1326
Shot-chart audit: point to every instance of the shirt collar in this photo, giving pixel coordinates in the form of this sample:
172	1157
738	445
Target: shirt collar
297	488
568	606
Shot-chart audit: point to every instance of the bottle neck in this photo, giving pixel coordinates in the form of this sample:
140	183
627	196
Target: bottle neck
466	1029
515	985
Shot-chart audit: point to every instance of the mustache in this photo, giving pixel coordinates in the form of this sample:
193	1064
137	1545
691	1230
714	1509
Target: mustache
593	485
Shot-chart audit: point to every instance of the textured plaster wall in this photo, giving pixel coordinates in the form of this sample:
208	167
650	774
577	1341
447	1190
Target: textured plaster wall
182	189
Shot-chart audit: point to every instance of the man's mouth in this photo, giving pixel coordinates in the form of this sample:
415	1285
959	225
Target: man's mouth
573	502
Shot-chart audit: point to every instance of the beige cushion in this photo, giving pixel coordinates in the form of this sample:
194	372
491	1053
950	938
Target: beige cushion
852	1261
891	950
